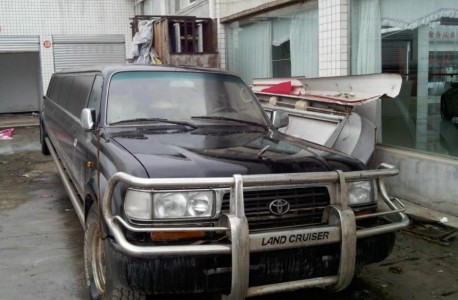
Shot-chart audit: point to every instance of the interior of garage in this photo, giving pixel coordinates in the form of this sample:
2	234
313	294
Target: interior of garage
20	82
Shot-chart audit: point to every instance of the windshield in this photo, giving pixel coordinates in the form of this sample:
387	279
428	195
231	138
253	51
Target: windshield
181	96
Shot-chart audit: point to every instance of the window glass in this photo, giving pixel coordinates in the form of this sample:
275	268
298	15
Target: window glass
180	96
281	42
50	86
417	39
79	93
56	88
281	60
65	85
96	95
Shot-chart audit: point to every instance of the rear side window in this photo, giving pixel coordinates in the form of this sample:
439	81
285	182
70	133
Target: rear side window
65	83
79	93
56	88
96	95
51	86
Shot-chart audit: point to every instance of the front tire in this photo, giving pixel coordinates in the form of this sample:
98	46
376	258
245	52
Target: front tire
99	276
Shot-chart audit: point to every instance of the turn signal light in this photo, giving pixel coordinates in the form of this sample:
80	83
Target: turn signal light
176	235
363	212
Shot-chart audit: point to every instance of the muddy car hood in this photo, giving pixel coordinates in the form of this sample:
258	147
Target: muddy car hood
219	154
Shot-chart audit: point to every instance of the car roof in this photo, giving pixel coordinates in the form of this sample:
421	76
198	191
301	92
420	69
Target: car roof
107	70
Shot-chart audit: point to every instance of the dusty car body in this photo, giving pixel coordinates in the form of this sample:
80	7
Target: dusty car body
184	185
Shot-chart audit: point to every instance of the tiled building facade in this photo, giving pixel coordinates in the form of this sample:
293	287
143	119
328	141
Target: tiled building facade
47	18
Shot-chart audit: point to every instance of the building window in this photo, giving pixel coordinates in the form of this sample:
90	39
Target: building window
281	60
419	40
184	3
279	43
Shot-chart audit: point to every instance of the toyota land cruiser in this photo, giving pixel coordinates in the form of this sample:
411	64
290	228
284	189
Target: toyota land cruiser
184	185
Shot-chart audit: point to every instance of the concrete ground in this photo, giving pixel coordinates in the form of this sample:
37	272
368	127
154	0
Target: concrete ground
41	248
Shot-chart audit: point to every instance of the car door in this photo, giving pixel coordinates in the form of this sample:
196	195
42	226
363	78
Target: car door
85	141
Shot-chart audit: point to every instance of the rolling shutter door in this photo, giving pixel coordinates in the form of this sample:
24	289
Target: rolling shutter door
78	51
13	43
20	83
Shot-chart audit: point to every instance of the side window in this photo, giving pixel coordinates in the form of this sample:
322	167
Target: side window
79	93
56	87
51	86
96	95
64	91
73	95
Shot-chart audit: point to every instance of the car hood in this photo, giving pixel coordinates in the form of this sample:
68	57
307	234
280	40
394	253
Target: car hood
221	154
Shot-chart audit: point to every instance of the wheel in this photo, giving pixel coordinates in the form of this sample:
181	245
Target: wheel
44	146
99	276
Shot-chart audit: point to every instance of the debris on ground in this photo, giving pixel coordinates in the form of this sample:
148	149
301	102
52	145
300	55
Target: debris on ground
396	270
432	231
6	134
393	262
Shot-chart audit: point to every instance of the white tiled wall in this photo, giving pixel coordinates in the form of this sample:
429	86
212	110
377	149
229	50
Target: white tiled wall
51	17
221	36
333	37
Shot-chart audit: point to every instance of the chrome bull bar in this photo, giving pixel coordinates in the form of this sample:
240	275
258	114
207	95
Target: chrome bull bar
340	218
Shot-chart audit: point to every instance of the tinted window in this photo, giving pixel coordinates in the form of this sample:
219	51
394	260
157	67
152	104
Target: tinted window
56	88
79	93
50	86
96	95
65	83
180	96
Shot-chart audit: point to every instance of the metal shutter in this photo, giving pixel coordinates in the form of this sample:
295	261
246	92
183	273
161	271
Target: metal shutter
86	50
15	43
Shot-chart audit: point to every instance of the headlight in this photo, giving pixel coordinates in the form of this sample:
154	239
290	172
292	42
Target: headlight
183	204
360	192
147	206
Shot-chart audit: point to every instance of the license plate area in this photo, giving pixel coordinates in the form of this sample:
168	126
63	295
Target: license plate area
294	238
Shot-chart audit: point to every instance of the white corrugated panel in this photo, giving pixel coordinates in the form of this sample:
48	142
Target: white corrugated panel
16	43
72	51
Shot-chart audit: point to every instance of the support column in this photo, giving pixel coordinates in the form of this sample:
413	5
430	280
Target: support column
333	37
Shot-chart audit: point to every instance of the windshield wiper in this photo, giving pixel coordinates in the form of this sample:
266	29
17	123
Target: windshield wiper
161	120
231	119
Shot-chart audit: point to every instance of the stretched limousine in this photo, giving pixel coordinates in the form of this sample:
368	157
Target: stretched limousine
184	184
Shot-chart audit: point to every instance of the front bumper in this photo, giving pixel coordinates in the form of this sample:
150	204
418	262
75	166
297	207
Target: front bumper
186	274
340	228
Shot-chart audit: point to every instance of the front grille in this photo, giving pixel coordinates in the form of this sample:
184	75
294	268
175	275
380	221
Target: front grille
306	207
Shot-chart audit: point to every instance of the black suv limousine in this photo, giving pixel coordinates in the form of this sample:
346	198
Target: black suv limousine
184	185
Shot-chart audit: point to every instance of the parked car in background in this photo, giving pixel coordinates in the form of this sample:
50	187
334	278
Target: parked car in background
184	185
449	103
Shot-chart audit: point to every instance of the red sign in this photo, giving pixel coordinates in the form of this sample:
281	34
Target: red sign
47	44
442	35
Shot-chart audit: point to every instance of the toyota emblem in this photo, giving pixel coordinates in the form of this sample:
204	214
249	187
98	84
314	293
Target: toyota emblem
279	207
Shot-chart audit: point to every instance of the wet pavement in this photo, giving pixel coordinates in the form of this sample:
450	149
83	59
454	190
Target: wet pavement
41	242
41	238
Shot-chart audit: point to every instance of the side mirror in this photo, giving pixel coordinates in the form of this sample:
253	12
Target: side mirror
87	118
279	118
